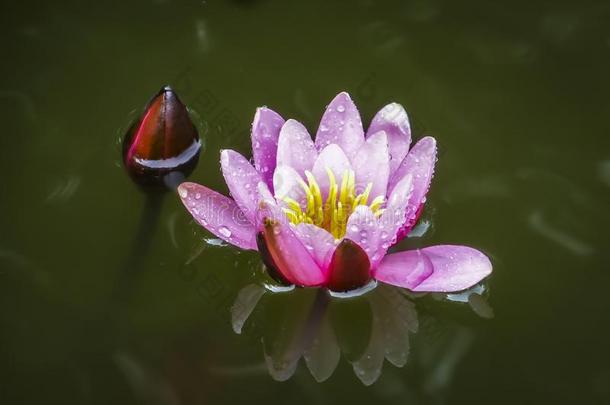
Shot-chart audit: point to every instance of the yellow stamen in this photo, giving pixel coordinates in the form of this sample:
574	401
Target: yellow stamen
292	216
341	201
376	203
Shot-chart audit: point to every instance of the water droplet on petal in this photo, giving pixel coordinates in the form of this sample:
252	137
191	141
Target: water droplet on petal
182	191
340	108
224	231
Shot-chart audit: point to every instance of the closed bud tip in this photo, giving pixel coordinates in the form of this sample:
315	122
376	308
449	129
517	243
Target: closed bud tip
161	148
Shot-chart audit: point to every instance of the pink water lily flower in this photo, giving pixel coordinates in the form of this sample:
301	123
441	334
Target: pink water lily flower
325	212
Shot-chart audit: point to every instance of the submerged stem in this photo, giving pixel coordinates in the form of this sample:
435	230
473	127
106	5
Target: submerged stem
140	244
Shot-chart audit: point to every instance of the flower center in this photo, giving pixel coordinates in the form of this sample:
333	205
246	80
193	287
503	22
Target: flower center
341	201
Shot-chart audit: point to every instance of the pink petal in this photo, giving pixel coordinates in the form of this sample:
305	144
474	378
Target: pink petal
265	132
243	181
333	158
404	269
287	183
419	163
295	147
455	268
291	257
372	165
349	267
318	241
341	125
395	213
363	228
218	214
287	253
394	121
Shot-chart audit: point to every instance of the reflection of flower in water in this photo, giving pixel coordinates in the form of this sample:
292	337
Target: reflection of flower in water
309	328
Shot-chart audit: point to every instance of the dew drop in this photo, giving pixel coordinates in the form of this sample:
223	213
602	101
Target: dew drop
197	196
340	108
224	231
182	191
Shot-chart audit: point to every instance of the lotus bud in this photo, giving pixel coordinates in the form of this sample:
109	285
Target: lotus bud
161	148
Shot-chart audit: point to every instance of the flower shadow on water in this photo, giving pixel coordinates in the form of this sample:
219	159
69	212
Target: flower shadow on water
317	327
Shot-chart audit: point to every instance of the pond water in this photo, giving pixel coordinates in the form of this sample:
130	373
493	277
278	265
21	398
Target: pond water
514	92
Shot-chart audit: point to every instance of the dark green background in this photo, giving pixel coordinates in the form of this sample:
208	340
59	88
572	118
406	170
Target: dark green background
516	94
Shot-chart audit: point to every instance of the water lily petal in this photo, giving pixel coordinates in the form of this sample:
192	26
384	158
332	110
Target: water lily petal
331	157
341	125
265	132
393	119
288	183
455	268
395	214
218	214
287	253
372	165
295	147
243	181
363	228
405	269
419	163
318	241
349	267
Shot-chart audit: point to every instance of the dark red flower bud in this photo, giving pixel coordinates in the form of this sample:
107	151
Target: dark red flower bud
349	267
162	146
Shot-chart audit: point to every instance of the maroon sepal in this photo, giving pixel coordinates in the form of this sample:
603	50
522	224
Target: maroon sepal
350	267
162	145
272	268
